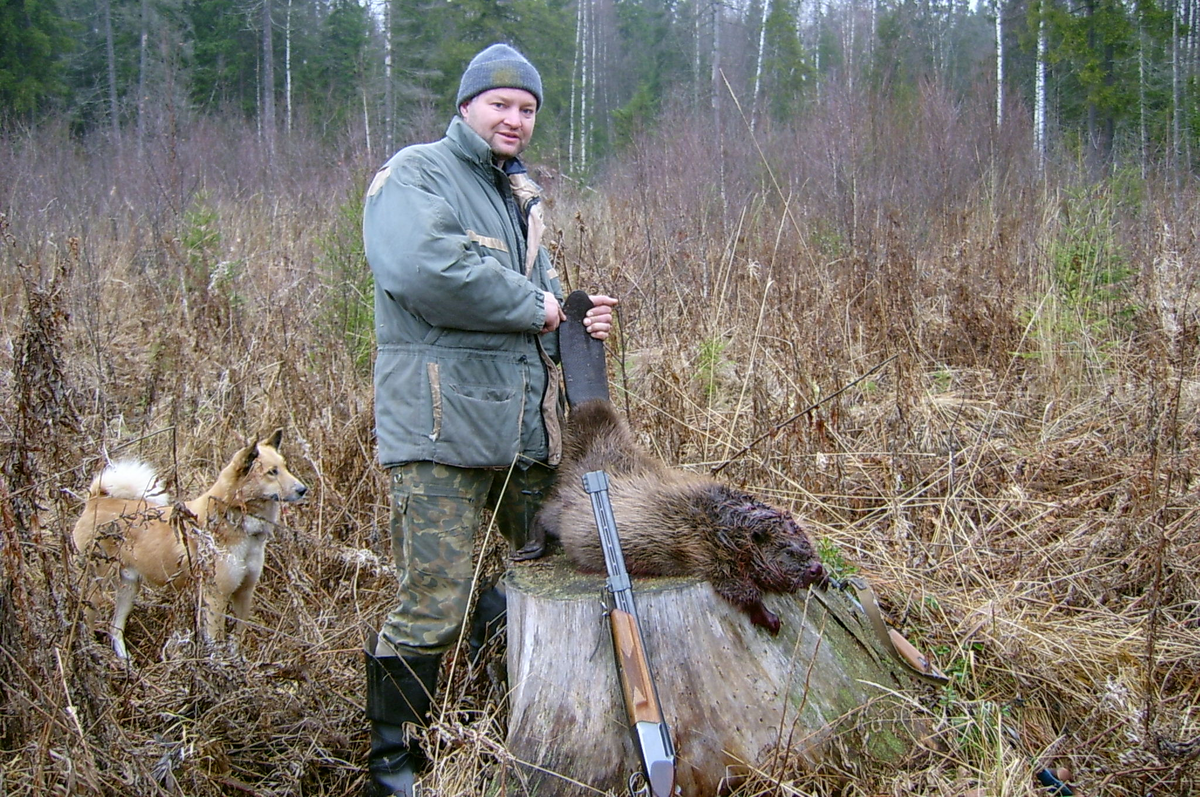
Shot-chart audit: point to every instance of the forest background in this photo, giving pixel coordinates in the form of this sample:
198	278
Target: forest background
991	210
1098	75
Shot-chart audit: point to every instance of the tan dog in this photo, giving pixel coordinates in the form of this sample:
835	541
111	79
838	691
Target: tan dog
129	533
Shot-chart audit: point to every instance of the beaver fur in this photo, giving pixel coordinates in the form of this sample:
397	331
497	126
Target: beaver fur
670	523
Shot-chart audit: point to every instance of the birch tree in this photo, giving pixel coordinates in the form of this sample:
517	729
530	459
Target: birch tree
1039	112
577	147
999	65
287	69
758	66
587	79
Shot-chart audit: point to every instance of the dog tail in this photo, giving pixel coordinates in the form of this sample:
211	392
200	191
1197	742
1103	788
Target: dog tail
130	479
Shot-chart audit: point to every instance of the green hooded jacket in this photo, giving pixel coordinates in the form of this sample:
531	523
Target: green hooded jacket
462	374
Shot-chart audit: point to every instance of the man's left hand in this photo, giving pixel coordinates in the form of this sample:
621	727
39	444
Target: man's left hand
598	320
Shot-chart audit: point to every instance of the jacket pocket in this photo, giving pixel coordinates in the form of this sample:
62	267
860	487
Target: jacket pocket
480	425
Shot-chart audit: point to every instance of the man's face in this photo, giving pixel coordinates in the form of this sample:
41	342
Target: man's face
503	118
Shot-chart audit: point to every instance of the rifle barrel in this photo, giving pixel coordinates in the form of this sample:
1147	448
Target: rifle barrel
596	484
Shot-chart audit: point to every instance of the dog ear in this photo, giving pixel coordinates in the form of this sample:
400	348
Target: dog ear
275	439
245	459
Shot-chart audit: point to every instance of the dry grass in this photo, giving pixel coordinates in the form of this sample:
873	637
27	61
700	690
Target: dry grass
1019	482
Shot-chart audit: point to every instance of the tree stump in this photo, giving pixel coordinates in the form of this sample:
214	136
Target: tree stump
822	692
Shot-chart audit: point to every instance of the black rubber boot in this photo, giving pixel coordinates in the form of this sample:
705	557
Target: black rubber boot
400	690
488	621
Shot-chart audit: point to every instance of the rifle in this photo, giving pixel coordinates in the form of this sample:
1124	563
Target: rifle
650	733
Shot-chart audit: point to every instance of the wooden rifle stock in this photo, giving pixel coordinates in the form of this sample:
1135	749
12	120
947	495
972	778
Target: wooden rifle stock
633	669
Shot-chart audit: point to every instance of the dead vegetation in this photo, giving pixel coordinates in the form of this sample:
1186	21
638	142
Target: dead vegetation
1018	479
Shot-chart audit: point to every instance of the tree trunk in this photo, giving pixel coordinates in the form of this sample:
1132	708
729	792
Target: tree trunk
697	38
822	691
585	111
999	66
1143	127
1039	112
758	63
366	109
389	89
287	68
1176	92
576	84
143	68
114	113
268	90
718	104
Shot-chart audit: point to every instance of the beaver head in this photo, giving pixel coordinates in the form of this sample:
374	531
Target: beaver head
781	554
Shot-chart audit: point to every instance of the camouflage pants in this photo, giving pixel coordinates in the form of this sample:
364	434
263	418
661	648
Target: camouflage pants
437	512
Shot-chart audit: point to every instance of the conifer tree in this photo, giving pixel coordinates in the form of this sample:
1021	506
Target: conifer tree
34	37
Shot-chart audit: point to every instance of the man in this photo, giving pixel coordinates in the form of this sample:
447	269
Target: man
467	411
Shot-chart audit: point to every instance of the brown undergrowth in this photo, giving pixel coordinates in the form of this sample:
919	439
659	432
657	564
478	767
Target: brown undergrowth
1016	473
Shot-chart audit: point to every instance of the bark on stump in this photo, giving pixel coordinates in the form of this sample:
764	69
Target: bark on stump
823	692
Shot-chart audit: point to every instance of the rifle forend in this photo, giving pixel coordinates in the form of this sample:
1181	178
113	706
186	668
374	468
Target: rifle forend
650	732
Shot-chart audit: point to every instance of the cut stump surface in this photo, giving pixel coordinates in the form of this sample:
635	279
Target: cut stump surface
823	691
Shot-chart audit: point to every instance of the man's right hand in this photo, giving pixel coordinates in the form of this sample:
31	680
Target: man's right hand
598	320
554	313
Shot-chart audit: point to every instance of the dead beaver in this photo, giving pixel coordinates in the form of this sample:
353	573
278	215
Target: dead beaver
671	523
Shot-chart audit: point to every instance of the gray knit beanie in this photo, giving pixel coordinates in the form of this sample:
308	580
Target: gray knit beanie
499	67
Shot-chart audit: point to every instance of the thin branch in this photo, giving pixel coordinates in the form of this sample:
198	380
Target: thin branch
775	429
